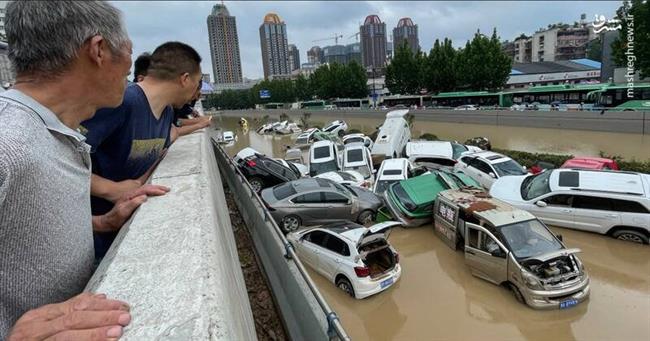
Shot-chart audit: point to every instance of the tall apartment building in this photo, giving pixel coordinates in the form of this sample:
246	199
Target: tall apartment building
315	55
334	54
373	42
224	46
294	57
561	42
3	9
523	49
353	52
407	32
275	49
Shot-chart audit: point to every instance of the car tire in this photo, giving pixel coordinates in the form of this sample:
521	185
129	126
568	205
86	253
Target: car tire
631	236
345	285
256	184
515	291
366	217
290	223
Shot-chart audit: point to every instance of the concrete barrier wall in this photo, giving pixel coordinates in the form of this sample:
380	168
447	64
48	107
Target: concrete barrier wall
634	122
176	263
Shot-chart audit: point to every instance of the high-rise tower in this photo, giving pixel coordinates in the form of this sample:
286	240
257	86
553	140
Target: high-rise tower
224	46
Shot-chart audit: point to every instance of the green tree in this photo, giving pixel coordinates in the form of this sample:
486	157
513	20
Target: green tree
402	74
440	72
594	50
339	81
482	63
357	81
635	25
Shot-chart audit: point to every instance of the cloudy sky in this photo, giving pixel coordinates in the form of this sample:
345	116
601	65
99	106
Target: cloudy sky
151	23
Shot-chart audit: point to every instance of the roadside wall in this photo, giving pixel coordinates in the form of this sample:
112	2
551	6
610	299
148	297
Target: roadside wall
634	122
176	263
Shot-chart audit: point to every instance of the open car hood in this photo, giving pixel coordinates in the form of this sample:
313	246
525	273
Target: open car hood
377	231
551	255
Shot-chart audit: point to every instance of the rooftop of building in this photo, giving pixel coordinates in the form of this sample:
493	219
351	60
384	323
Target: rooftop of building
557	66
220	9
405	22
272	18
372	19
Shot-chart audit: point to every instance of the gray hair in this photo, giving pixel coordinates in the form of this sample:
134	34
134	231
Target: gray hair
45	36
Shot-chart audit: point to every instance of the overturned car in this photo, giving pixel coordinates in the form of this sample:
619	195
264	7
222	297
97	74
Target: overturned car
508	246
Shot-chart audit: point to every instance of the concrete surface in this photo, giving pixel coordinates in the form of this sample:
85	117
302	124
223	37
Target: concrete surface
176	263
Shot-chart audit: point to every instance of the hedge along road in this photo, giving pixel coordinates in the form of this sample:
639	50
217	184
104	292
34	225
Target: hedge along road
536	140
438	298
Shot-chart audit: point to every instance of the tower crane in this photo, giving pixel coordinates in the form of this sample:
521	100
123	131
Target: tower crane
336	38
355	35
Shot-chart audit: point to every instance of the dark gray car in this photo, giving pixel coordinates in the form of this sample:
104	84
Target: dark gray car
307	202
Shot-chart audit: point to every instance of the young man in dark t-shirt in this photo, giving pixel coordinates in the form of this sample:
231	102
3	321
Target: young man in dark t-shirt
127	141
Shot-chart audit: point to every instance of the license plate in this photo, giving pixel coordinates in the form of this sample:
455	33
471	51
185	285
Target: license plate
386	283
568	303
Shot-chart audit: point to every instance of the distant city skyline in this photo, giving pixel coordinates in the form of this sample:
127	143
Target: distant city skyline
152	23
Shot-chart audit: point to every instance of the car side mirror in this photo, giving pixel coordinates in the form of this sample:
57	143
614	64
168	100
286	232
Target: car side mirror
524	167
541	203
367	143
349	202
559	236
492	175
498	253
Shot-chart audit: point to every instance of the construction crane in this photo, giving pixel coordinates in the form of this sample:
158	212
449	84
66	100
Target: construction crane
355	35
335	37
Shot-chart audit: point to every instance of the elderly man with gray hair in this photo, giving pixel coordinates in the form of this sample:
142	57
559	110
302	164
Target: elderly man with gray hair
71	59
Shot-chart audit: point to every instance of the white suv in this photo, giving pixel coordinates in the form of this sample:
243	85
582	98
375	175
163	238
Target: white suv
325	156
485	167
605	202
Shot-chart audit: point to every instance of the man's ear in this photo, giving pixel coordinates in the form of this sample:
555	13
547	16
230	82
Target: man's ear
97	50
185	79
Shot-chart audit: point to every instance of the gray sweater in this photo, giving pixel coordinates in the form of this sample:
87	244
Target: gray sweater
46	241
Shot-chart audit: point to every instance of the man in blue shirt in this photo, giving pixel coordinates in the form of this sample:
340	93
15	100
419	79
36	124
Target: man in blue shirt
128	141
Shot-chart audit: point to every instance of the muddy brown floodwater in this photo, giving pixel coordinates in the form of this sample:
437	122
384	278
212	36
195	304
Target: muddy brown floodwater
438	299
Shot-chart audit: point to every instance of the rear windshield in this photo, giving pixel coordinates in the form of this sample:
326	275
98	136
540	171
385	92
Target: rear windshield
316	168
353	139
392	172
283	191
355	155
321	152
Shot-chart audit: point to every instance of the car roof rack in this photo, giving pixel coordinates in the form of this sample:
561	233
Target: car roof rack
605	191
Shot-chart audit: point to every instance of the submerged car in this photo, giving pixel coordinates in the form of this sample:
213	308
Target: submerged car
597	163
227	137
444	153
309	202
357	158
391	171
338	127
262	172
358	138
508	246
358	260
325	156
411	201
306	137
486	167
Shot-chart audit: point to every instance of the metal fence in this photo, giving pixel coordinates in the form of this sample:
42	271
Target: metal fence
305	312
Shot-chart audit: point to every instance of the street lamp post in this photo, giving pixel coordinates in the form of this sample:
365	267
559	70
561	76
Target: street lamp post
374	93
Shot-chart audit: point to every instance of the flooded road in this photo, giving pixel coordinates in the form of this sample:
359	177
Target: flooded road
438	299
539	140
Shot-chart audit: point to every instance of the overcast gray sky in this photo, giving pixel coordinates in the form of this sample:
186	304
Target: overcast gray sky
151	23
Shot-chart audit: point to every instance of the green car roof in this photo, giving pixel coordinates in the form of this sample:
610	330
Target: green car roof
423	189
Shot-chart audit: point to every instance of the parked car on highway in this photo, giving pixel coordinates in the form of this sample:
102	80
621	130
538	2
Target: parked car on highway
510	247
485	167
352	178
286	128
356	157
411	201
358	260
338	127
597	163
613	203
392	137
227	136
308	202
394	170
444	153
325	156
358	138
466	107
262	172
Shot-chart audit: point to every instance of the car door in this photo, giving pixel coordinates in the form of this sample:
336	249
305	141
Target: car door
633	213
309	248
557	212
308	207
594	213
333	256
336	206
479	247
482	172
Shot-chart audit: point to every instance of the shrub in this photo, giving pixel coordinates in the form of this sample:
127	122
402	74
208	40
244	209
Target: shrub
429	137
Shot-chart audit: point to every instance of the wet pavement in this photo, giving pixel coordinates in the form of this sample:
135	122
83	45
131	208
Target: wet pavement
437	297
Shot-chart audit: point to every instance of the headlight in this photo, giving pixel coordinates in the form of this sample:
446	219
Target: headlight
531	281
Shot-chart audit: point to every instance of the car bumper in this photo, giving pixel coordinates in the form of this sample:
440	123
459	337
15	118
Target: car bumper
401	217
551	299
364	287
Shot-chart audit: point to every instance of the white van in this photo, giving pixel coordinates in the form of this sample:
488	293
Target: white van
392	137
325	156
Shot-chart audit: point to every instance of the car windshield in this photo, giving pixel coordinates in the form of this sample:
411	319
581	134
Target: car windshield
363	170
344	190
283	191
403	197
382	185
316	168
529	239
302	140
457	149
353	139
355	155
321	152
535	185
510	167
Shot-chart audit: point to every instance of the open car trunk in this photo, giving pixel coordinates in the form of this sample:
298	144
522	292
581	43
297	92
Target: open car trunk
378	257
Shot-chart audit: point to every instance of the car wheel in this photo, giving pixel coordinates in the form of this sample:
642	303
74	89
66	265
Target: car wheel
517	293
365	217
290	223
345	285
256	184
631	236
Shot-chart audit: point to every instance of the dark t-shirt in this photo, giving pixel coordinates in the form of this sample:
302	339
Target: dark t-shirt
183	112
126	141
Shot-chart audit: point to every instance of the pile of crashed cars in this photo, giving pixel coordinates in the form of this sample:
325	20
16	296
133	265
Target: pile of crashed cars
339	204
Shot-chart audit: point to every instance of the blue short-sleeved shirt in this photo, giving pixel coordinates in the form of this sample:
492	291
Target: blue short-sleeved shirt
126	141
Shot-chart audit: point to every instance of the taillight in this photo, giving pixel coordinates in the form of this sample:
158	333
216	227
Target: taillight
251	163
396	257
362	271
